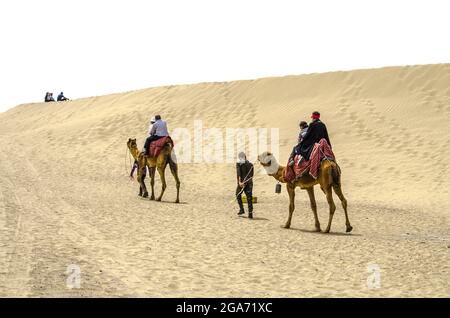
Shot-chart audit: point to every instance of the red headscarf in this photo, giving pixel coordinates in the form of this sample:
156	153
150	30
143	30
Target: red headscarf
315	115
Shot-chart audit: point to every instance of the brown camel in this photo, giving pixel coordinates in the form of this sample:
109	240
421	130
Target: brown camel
329	178
155	163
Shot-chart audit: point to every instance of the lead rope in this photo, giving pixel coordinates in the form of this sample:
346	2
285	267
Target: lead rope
127	153
324	155
245	181
125	160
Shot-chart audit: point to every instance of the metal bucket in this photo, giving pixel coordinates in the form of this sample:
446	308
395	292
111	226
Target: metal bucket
278	188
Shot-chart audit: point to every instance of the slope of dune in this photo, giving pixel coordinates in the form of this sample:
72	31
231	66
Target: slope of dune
66	199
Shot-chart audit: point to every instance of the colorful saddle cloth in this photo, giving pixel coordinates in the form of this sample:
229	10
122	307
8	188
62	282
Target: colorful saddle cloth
321	151
157	146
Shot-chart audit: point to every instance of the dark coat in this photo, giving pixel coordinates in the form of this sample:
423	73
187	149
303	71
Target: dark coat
316	131
245	170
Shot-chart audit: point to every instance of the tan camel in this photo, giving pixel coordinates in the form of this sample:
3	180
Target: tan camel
329	178
159	163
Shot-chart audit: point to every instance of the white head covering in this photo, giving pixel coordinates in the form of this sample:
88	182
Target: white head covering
241	157
152	120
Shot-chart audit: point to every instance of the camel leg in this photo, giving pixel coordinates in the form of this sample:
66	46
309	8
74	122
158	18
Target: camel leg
174	169
312	200
338	191
329	194
291	192
161	171
152	181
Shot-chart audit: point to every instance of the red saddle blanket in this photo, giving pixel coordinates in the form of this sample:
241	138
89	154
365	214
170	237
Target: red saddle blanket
321	151
157	145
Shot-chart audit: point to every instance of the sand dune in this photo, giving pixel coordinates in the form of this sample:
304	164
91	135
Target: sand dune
66	199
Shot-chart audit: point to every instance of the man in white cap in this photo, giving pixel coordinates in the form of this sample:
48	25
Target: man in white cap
244	170
158	130
152	121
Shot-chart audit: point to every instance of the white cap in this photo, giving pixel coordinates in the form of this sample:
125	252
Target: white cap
152	120
241	157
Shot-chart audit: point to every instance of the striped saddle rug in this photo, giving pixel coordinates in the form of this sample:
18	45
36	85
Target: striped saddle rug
320	152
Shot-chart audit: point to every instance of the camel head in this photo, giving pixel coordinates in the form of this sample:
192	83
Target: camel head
269	163
132	143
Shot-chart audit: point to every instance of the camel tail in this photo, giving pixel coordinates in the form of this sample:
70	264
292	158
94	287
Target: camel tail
336	174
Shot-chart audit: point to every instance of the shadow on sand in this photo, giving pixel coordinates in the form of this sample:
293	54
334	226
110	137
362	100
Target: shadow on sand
163	201
323	233
254	218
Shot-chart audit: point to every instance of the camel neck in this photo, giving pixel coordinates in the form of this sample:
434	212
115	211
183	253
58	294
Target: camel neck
134	153
279	176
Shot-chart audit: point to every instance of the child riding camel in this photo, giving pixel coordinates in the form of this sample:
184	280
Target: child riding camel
303	130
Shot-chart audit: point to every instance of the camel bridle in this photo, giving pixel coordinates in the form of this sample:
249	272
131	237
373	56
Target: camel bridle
265	164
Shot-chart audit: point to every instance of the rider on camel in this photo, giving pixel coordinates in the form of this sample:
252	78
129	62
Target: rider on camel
157	131
303	130
316	131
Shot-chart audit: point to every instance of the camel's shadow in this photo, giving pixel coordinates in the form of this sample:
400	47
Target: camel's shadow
323	233
164	202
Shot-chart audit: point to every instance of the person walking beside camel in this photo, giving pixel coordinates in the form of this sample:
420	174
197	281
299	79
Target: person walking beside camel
144	174
244	170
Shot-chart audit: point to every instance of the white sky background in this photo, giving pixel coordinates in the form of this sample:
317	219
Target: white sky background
94	47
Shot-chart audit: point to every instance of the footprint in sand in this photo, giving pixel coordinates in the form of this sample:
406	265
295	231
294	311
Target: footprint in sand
447	110
353	116
343	107
373	168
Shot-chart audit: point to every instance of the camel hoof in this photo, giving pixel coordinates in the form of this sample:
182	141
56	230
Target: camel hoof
318	229
177	201
349	228
158	200
145	195
287	226
327	231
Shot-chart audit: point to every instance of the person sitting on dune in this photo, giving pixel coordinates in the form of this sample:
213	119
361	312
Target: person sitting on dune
303	130
158	130
61	97
49	97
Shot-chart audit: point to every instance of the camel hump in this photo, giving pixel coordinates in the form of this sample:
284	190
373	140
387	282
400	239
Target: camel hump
158	145
169	140
321	156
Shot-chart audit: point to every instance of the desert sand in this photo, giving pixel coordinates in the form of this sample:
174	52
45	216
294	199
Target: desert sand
65	195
